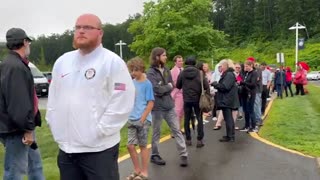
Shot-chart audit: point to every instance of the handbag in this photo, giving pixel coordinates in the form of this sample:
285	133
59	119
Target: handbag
205	102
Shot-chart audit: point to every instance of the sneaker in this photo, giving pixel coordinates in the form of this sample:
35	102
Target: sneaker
214	118
184	161
156	159
244	129
256	129
250	130
205	121
188	143
200	144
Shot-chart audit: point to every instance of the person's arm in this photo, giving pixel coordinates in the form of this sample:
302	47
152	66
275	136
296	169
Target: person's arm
159	87
150	98
252	82
147	111
269	80
16	92
120	104
226	84
179	82
175	75
52	94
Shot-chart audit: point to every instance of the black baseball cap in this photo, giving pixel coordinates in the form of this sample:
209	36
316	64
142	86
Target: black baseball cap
16	34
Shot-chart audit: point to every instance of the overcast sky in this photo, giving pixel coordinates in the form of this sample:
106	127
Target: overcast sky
38	17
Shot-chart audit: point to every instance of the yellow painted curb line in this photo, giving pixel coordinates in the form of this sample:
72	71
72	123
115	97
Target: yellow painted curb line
165	138
257	137
124	157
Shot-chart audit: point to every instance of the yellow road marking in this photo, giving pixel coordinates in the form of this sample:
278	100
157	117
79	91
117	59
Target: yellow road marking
165	138
257	137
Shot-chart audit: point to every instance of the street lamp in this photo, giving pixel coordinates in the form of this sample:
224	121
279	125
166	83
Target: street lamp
120	43
296	27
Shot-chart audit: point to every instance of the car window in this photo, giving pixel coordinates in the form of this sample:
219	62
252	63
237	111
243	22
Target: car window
36	73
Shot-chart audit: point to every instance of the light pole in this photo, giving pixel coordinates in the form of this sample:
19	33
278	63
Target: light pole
296	27
120	43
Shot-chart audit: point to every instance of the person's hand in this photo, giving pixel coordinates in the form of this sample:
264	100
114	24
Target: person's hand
215	83
142	122
27	138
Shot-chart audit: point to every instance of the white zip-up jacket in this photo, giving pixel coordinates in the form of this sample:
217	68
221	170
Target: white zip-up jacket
90	99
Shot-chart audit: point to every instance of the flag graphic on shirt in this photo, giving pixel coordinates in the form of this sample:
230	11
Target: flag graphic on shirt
120	86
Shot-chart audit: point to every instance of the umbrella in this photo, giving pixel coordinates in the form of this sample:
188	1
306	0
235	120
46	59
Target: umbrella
304	65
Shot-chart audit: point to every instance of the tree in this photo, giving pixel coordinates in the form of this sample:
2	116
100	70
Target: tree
179	26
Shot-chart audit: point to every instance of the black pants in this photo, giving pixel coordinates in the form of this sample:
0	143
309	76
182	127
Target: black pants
89	166
299	89
264	96
227	115
288	86
187	118
248	109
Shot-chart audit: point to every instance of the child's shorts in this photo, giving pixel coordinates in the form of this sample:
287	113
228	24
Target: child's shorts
138	133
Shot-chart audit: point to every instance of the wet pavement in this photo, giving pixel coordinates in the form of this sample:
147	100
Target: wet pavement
245	159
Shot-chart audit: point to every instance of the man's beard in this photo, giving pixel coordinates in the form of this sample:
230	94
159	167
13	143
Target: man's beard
88	45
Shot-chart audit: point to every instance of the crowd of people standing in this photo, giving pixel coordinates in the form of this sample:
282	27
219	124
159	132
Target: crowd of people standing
86	108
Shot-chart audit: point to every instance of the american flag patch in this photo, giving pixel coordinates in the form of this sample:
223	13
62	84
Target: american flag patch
120	86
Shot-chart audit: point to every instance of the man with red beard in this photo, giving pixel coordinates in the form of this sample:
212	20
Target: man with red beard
90	99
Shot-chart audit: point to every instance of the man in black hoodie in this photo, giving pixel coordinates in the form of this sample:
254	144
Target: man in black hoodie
190	82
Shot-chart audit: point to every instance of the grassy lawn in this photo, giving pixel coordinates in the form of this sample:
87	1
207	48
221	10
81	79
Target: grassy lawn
49	149
295	123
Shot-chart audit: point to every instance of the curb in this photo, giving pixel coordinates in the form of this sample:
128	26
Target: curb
257	137
127	156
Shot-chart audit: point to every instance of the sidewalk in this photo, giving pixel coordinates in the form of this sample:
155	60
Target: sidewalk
245	159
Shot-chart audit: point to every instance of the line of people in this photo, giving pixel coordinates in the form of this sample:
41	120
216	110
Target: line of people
92	96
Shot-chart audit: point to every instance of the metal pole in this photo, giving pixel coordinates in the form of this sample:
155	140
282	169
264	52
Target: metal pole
121	49
297	32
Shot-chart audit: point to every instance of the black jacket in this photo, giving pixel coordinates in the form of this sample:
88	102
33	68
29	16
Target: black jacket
17	96
227	96
161	88
190	82
249	84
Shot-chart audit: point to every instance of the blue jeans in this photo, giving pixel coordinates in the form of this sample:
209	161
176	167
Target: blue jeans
20	159
257	108
279	90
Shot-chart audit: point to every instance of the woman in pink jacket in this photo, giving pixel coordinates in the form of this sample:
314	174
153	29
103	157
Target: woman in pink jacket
300	79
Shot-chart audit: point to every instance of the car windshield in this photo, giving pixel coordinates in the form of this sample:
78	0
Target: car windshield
36	73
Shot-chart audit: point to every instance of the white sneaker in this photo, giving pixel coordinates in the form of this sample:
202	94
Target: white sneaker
214	118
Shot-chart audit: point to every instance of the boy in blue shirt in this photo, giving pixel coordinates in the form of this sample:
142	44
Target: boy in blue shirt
140	119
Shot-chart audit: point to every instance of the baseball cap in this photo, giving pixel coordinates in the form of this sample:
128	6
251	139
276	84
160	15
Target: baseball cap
251	59
16	34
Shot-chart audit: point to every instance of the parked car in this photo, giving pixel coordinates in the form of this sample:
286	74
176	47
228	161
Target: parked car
48	75
40	81
313	75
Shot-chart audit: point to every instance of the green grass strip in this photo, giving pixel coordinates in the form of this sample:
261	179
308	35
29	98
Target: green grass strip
294	123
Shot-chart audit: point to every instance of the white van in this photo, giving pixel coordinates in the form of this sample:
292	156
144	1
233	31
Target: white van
40	81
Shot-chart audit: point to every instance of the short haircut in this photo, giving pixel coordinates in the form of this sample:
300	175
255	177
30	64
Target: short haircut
190	61
136	64
263	64
176	57
250	63
15	45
